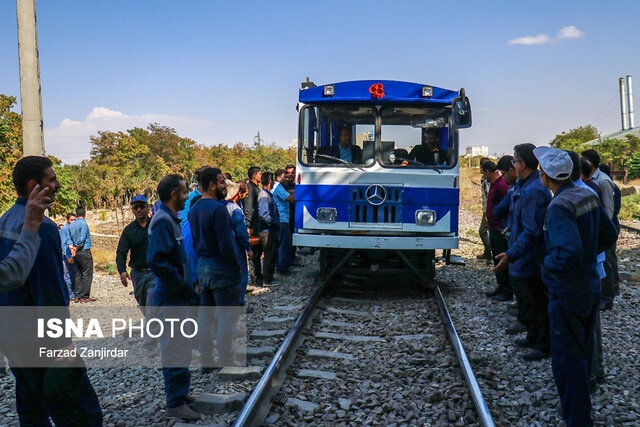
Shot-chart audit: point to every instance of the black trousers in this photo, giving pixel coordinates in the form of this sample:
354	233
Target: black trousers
499	245
269	240
255	268
533	305
84	273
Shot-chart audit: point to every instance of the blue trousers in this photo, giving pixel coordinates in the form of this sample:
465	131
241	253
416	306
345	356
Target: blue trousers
69	277
175	353
64	394
285	248
572	317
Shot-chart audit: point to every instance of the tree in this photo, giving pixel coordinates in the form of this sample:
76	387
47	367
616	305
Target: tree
10	148
575	138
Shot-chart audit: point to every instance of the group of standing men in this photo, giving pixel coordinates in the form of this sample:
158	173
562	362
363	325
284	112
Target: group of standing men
194	251
76	256
166	280
552	233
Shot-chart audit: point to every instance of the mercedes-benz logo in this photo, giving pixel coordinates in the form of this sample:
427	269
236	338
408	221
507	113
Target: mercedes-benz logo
376	194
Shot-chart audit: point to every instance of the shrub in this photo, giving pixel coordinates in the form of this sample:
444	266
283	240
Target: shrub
630	209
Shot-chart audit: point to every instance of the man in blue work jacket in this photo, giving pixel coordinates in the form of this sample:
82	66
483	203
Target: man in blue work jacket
173	294
80	245
526	249
576	229
61	389
218	268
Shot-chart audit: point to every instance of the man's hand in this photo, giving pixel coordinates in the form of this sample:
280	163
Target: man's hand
503	262
39	201
70	260
249	254
72	249
250	231
123	278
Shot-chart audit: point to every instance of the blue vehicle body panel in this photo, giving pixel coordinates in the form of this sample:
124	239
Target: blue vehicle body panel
394	92
441	200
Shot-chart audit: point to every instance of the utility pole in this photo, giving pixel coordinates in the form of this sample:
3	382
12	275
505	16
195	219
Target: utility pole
257	140
30	95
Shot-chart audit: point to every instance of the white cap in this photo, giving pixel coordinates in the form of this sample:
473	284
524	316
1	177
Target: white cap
557	164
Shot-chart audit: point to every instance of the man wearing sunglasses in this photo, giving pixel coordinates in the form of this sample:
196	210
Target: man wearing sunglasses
135	239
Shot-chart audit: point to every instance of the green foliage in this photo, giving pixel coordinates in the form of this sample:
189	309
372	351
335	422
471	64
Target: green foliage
66	197
633	165
10	148
630	208
110	268
575	138
123	164
238	159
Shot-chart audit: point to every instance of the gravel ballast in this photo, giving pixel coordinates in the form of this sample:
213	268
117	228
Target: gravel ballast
517	392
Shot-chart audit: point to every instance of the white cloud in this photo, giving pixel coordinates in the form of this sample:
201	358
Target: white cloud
529	40
69	141
570	32
564	33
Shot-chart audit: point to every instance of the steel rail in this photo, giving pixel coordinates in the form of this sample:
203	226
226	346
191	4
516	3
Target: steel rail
474	388
257	407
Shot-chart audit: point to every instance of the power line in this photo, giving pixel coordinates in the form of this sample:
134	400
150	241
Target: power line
607	106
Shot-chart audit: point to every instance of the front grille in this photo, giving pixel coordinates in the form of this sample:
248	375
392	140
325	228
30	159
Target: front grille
362	212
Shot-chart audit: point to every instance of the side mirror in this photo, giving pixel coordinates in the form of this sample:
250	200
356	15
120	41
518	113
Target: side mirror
462	111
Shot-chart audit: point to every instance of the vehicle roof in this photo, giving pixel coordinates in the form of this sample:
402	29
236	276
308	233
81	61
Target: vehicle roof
394	92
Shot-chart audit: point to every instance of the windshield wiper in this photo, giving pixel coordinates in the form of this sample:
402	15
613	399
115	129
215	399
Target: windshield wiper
348	163
410	161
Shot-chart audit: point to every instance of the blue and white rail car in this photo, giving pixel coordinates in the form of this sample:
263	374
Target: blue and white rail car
377	173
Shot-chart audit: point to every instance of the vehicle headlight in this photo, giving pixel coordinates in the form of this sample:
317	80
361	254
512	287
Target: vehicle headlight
425	217
327	214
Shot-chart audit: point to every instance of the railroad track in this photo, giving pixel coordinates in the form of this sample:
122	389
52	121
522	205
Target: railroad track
339	323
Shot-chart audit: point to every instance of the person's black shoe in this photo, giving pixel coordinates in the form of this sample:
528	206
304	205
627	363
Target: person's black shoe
502	297
486	255
516	328
207	370
493	293
524	343
535	355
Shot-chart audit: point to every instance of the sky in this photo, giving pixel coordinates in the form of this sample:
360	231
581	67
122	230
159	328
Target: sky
219	72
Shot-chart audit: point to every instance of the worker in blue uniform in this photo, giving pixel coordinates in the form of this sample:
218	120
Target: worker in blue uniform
526	248
576	229
45	389
173	294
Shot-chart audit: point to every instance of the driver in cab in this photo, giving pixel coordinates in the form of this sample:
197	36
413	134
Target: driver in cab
428	152
344	151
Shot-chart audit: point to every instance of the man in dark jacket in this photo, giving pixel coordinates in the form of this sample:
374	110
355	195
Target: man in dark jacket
60	391
576	229
526	249
218	268
250	207
167	259
343	151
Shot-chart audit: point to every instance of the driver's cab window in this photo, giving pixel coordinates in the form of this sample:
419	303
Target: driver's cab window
340	135
416	137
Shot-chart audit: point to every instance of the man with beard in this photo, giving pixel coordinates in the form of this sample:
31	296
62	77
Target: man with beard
61	390
218	270
173	293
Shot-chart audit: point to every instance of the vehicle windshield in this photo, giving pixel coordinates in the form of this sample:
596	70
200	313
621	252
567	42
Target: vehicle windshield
340	134
416	137
344	135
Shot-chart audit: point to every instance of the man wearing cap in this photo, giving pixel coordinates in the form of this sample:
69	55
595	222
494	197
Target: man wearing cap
135	239
526	249
576	229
